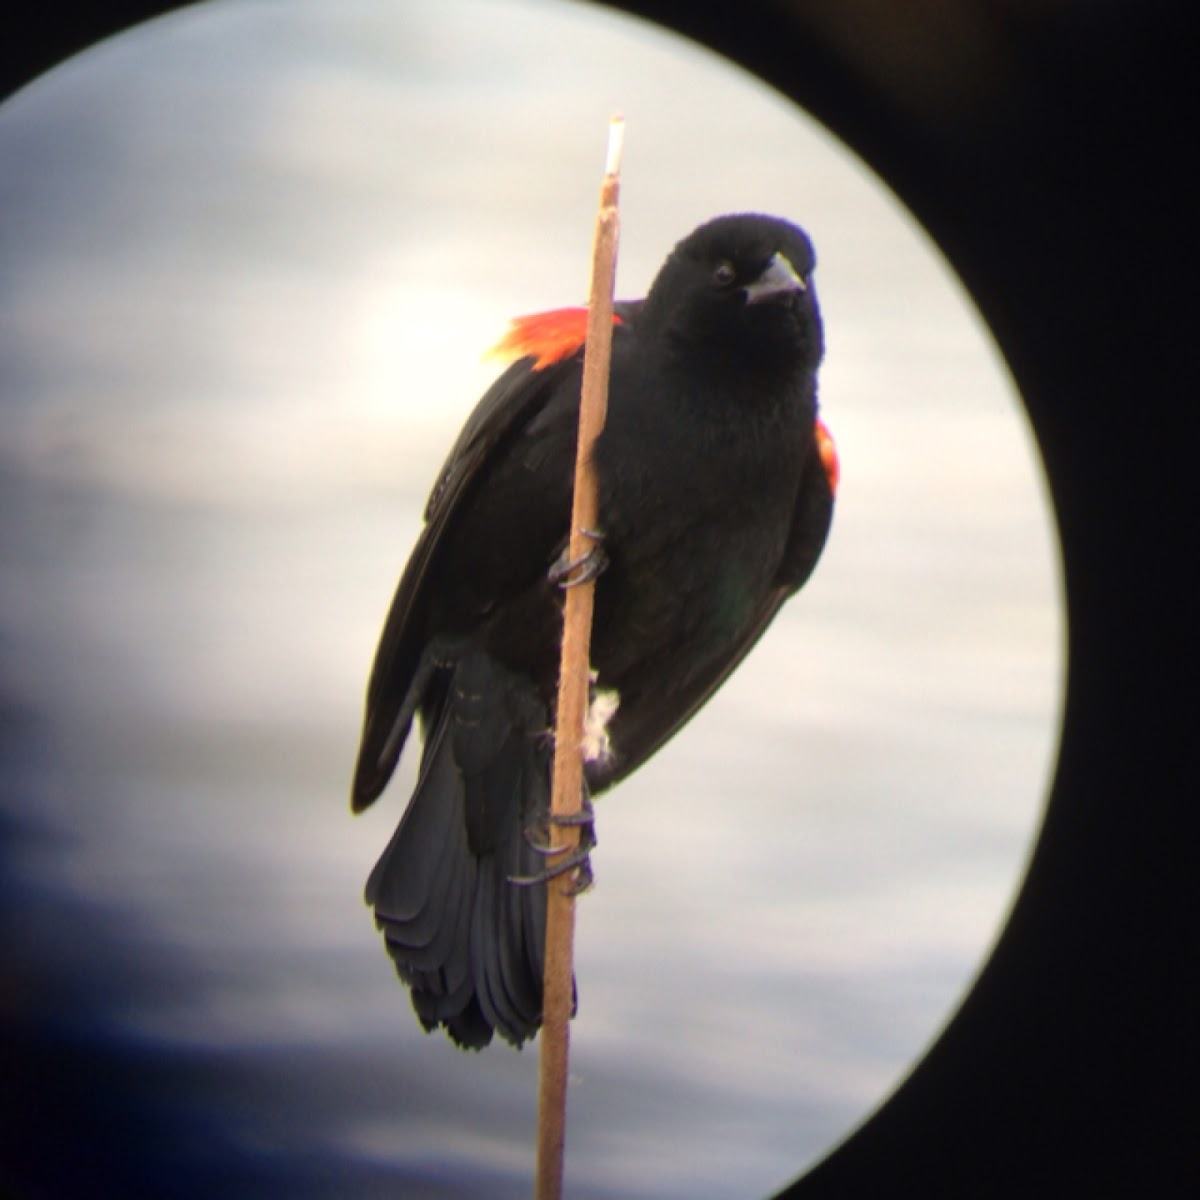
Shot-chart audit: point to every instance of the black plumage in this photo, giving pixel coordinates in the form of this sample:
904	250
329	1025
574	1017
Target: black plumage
716	484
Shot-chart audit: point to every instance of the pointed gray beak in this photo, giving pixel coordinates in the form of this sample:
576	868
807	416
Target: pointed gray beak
777	279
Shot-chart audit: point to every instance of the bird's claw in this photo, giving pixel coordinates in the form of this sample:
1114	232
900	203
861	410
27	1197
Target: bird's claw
579	862
578	858
568	572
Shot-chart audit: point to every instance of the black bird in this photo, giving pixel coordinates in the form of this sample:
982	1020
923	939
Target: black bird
716	487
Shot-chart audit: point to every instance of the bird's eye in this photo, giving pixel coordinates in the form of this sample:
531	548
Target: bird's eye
724	274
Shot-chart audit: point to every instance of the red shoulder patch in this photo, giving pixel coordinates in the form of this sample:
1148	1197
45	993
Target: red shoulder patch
829	457
546	337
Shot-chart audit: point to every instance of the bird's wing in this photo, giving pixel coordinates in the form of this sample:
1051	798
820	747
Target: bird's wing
505	409
550	345
811	520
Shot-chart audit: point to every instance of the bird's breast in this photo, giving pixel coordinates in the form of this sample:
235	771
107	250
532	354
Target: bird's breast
695	524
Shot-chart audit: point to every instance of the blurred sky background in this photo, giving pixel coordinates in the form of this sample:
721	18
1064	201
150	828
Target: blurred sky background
250	257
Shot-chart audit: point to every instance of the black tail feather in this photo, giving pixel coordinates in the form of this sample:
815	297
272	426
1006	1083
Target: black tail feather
467	942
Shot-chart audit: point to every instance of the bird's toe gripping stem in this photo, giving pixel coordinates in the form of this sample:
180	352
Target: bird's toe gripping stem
576	860
568	572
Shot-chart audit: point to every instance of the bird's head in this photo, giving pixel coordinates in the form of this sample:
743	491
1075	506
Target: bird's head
739	288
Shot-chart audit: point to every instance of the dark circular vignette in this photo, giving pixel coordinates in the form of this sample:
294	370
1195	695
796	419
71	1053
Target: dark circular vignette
1043	145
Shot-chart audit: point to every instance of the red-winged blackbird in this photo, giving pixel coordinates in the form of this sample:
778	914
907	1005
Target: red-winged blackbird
716	484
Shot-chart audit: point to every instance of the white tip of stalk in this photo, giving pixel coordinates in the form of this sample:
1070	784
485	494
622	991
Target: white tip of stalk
616	143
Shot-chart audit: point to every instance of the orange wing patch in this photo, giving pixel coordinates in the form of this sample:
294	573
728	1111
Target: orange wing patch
546	337
829	457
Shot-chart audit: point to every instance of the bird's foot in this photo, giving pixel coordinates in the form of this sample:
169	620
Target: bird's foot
577	859
567	572
578	863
